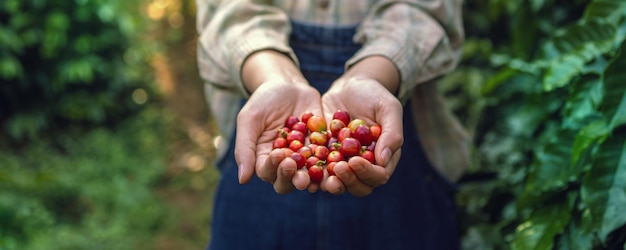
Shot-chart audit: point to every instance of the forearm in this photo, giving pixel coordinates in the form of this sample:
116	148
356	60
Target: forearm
268	66
377	68
422	38
230	32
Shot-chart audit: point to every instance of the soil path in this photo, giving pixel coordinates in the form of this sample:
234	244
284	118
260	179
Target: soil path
191	177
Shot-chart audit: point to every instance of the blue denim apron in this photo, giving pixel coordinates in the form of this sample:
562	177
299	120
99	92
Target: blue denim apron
414	210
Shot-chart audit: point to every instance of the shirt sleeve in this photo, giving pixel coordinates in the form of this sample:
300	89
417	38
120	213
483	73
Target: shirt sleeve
231	30
423	38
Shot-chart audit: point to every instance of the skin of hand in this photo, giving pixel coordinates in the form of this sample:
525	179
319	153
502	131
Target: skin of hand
278	91
367	92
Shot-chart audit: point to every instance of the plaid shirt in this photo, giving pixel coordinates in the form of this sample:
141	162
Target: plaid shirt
422	37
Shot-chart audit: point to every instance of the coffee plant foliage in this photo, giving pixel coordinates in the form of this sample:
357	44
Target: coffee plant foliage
542	87
96	191
66	63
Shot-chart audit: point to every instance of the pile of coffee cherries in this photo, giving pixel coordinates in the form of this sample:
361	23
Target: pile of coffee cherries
314	145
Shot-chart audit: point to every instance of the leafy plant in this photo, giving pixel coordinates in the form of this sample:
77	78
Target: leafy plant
550	168
93	191
64	63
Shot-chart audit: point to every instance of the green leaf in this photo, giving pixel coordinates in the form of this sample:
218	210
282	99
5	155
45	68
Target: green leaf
501	77
552	168
10	40
603	189
536	5
609	10
538	231
585	95
587	136
26	125
10	68
79	70
575	238
578	45
57	21
614	104
562	71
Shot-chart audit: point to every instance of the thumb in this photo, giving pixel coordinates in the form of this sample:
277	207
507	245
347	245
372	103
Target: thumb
245	145
392	135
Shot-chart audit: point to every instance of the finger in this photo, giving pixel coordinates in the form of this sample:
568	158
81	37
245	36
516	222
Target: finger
393	163
268	171
313	187
391	137
334	185
246	139
286	170
370	174
301	179
351	181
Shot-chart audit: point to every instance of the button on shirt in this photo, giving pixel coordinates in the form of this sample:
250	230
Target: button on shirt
423	39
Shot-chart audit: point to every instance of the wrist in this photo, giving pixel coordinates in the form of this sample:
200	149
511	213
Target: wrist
377	68
269	66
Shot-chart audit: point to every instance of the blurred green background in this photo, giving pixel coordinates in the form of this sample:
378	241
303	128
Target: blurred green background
105	138
106	141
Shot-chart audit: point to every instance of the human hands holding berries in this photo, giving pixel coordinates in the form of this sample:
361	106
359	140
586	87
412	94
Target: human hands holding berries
256	129
318	148
279	90
372	103
354	152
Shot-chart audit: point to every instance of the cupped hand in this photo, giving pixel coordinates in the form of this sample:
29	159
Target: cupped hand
257	124
370	101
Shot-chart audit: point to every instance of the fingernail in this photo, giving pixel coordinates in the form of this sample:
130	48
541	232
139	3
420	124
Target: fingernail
241	170
386	156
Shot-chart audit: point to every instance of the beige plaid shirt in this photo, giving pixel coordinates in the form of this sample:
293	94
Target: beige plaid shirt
422	37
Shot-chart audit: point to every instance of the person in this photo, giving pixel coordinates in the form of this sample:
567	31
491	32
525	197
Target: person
263	61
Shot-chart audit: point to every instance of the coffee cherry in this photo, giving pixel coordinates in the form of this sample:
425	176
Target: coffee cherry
306	116
350	147
316	124
319	138
316	173
368	155
295	145
355	123
300	126
295	135
290	121
371	147
342	116
331	168
343	134
299	159
376	131
363	134
312	161
334	156
321	152
306	152
336	125
283	132
333	143
279	143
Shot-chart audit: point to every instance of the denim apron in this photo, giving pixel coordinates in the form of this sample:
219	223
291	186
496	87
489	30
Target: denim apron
414	210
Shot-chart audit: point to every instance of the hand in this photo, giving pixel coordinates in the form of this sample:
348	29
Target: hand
369	100
257	124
